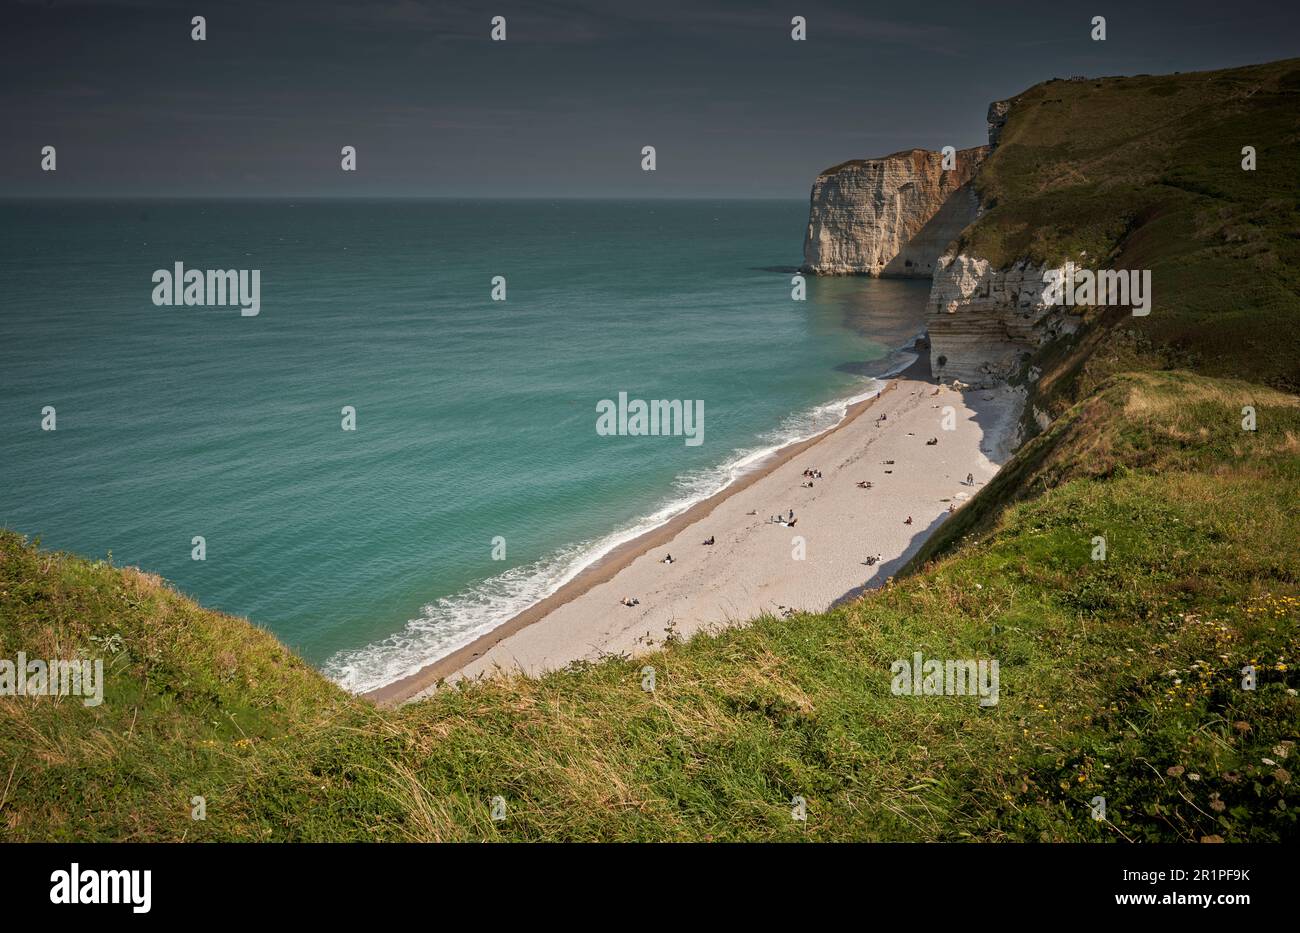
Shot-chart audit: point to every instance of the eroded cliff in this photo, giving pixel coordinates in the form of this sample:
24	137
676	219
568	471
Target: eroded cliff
983	320
892	216
903	215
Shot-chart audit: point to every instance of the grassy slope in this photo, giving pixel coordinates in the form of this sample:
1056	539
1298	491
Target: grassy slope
1119	678
203	704
1145	173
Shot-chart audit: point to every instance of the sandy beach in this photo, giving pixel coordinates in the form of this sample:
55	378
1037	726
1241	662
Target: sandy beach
756	565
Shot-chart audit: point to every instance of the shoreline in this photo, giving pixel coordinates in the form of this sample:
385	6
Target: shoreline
622	557
602	570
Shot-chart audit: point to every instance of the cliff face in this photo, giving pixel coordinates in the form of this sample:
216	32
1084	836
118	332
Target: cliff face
890	217
897	217
996	119
983	320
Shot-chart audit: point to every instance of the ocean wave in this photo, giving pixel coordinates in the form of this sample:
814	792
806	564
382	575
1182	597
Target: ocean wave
454	621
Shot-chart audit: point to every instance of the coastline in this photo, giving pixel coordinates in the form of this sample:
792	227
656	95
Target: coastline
521	645
604	569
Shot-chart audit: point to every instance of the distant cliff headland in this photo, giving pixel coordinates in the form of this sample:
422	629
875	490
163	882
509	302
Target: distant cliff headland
1082	173
898	217
890	217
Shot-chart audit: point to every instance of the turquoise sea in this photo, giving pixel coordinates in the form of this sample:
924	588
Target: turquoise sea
371	551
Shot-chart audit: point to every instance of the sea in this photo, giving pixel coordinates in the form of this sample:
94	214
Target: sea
473	481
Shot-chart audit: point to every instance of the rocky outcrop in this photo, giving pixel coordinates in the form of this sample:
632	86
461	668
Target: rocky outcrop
997	117
900	216
890	217
983	321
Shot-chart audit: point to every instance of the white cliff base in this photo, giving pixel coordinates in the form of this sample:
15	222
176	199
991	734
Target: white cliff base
983	322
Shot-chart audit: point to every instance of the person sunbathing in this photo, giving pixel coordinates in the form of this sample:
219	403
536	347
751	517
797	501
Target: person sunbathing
931	442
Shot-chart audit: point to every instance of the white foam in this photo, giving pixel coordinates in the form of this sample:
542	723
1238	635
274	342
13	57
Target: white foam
454	621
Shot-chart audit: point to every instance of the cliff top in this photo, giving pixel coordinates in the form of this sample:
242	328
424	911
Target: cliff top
1146	173
900	154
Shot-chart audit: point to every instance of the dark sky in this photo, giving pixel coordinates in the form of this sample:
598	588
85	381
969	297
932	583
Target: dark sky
563	107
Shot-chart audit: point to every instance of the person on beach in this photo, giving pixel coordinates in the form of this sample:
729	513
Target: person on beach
668	559
792	515
909	520
970	479
709	540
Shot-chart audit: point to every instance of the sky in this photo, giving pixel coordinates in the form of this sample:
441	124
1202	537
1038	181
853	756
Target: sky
563	107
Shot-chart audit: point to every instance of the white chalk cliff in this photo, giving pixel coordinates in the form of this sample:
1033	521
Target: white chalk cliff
983	321
900	216
893	216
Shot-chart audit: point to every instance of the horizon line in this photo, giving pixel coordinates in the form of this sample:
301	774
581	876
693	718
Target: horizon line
381	197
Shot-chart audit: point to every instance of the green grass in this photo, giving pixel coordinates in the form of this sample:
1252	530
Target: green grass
1202	577
1145	173
1119	678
